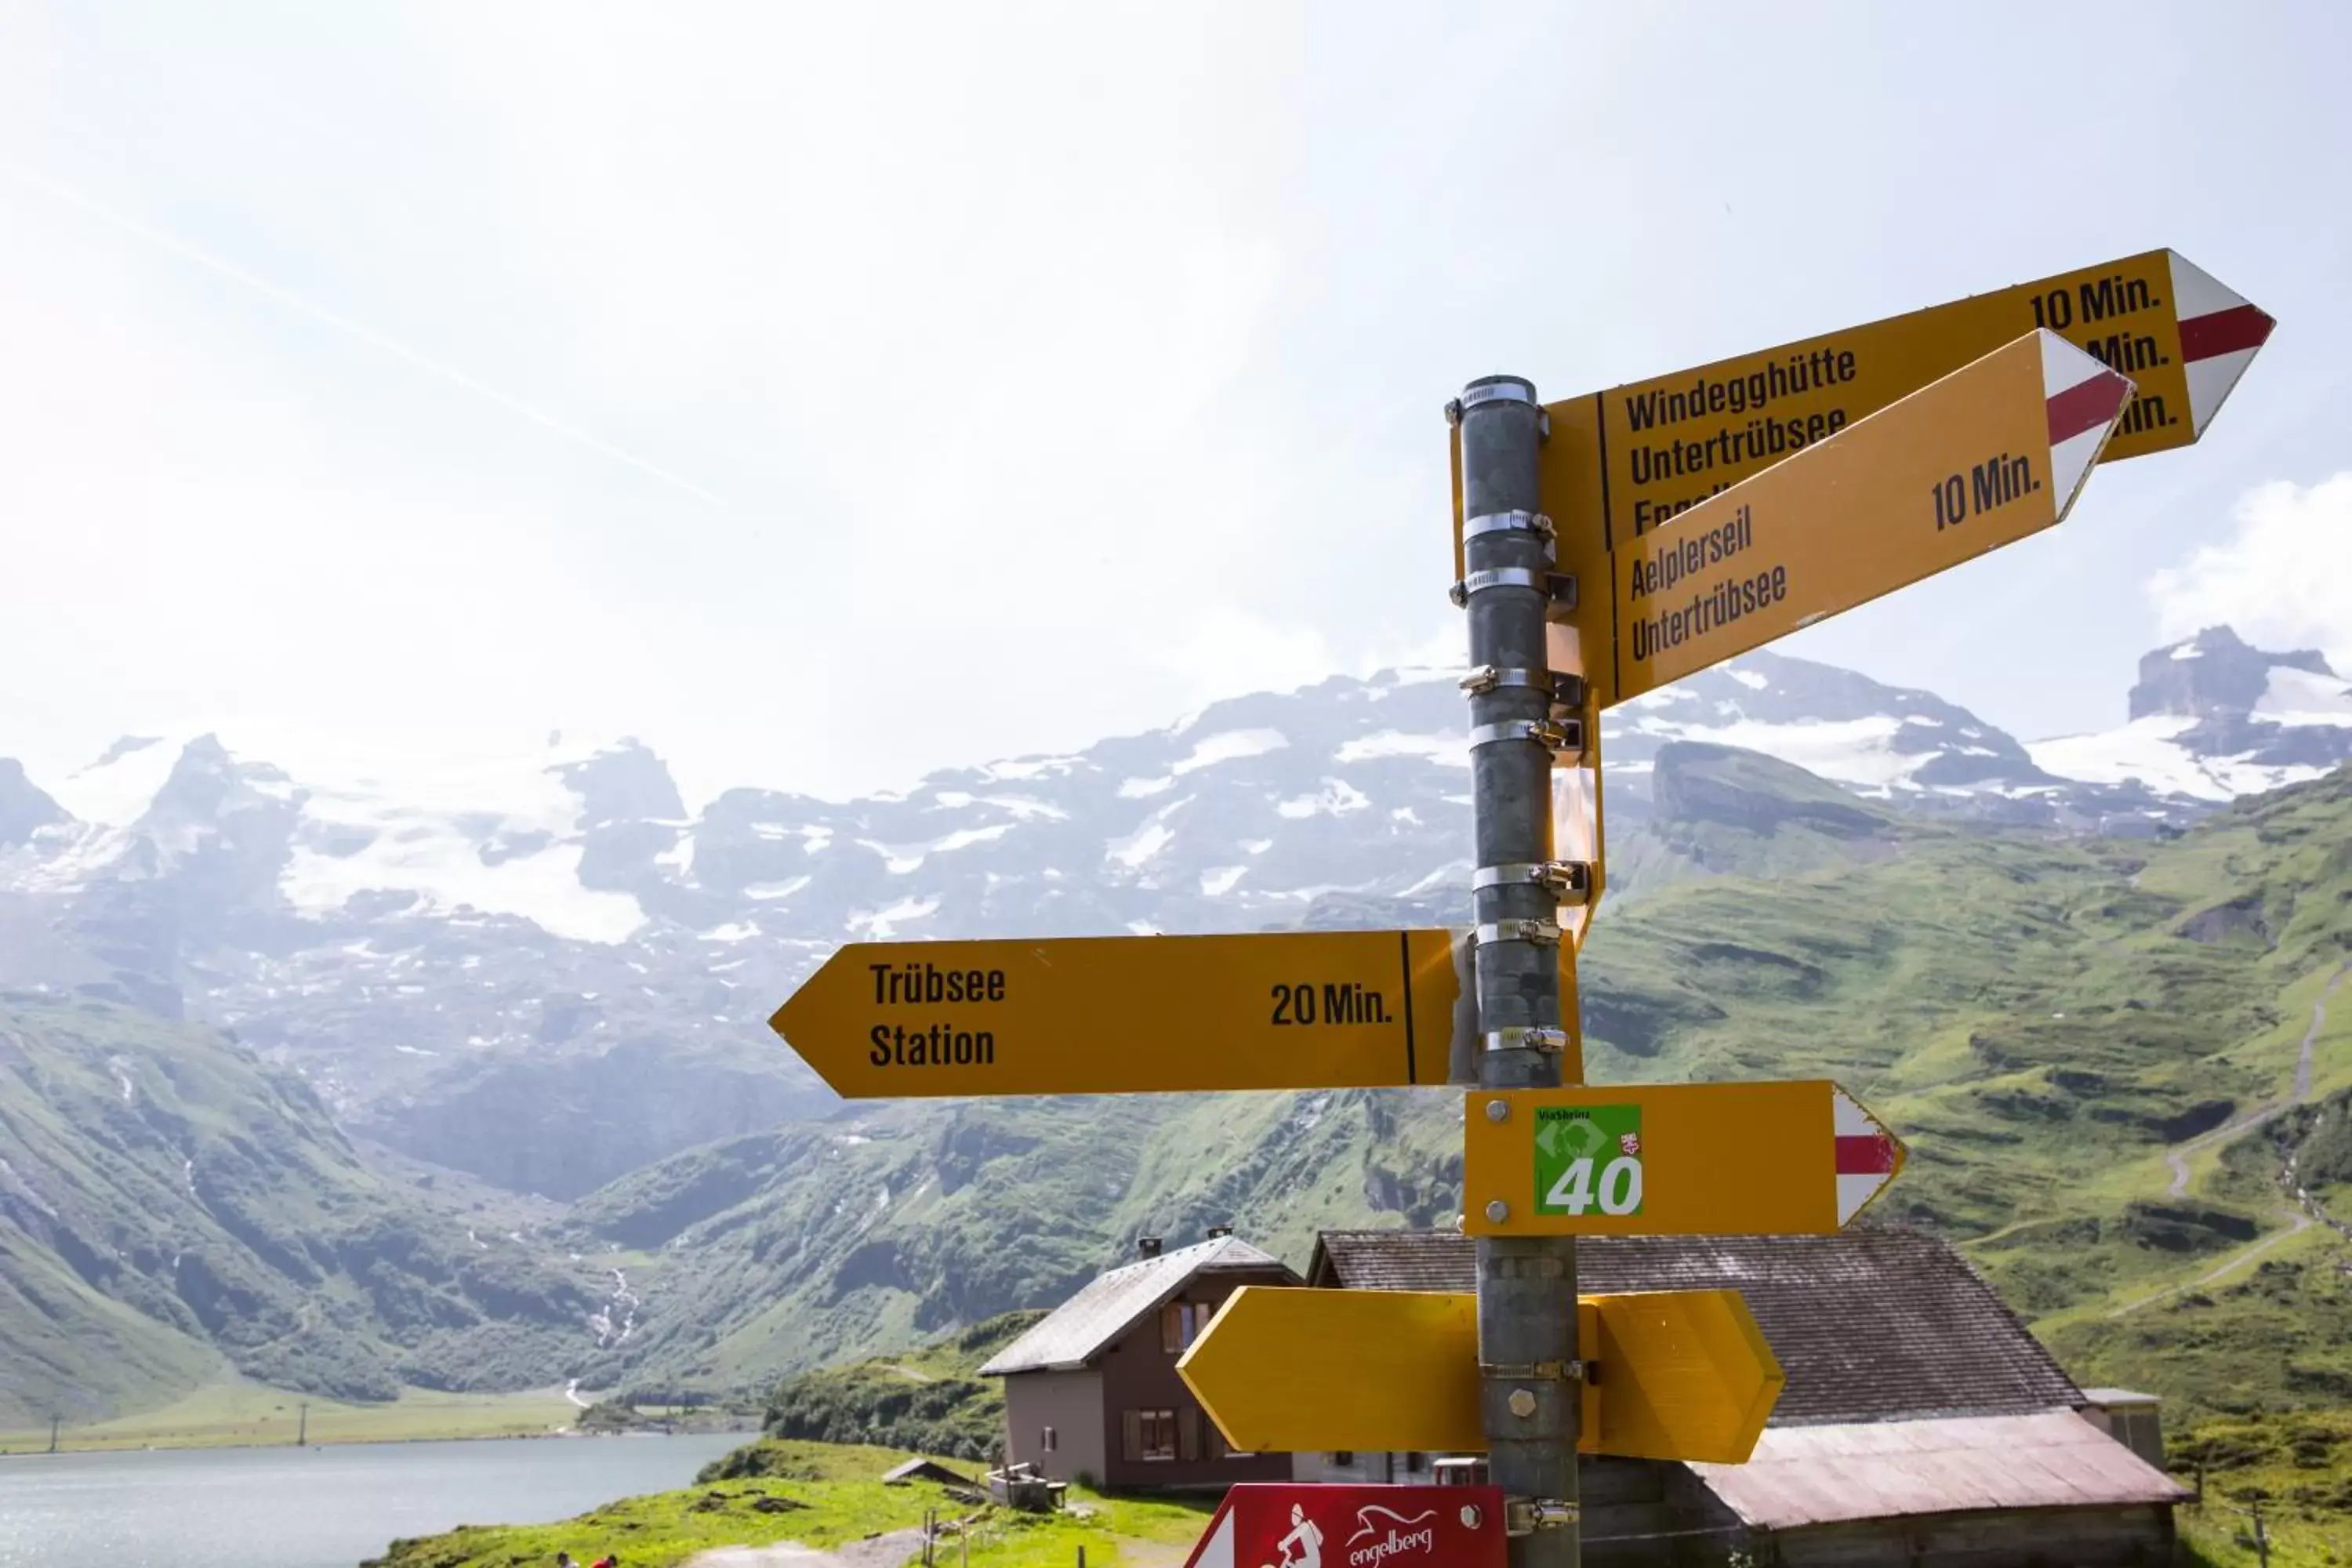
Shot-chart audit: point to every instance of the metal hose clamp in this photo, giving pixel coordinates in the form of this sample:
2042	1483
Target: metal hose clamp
1559	587
1571	882
1525	1515
1505	389
1534	523
1568	693
1543	932
1520	1037
1554	734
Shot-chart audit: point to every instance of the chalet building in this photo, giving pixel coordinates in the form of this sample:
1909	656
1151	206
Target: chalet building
1092	1392
1919	1423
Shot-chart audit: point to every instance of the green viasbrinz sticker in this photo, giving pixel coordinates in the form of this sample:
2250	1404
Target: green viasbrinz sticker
1589	1159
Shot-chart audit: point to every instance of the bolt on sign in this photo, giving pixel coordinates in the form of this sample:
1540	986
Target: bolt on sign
1669	1374
1134	1014
1689	1159
1268	1524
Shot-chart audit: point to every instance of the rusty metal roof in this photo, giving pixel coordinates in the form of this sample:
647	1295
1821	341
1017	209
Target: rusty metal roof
1083	1327
1884	1470
1875	1323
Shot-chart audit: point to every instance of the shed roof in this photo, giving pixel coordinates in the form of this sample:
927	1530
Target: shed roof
2118	1396
1083	1327
925	1471
1874	1323
1824	1475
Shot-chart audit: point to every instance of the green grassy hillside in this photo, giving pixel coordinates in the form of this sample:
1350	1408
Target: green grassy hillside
926	1401
2043	1020
171	1207
2106	1056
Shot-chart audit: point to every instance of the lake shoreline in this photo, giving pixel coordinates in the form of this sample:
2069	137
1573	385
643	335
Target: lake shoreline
333	1506
168	1445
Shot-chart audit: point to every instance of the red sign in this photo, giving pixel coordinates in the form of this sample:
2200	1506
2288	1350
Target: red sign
1274	1525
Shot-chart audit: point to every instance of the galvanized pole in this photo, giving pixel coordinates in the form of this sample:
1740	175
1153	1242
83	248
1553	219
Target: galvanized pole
1530	1375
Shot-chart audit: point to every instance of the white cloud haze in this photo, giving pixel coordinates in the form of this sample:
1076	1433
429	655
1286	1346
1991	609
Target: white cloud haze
2283	579
370	367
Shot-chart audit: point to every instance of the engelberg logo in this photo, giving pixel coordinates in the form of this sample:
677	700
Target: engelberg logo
1414	1535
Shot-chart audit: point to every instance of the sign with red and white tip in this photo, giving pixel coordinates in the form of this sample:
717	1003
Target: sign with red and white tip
1989	454
1270	1524
1671	1158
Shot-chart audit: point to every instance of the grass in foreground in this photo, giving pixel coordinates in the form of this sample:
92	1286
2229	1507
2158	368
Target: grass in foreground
2297	1468
818	1494
250	1414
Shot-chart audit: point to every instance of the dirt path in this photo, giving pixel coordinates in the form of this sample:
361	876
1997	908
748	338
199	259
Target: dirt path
1138	1554
2298	1220
891	1550
2177	1157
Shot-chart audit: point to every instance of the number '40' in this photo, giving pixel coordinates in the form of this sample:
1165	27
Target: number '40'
1621	1186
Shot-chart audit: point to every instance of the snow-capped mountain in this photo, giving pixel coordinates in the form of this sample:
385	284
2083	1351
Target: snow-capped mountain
2212	719
449	952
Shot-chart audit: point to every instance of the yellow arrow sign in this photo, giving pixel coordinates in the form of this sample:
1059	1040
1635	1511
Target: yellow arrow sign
1683	1159
1134	1015
1621	462
1677	1375
1981	459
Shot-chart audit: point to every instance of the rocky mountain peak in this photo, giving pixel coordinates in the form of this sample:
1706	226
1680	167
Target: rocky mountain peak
1697	783
2214	675
25	807
123	746
625	783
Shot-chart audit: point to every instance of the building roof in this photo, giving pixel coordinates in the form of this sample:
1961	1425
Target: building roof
1874	1323
1083	1327
925	1471
1823	1475
2117	1397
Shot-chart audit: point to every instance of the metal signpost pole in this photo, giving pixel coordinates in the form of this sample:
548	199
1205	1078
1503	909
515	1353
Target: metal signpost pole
1529	1374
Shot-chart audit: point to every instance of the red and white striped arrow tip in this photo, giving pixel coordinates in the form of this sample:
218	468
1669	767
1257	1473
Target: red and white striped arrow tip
1216	1547
1868	1155
2082	397
2218	334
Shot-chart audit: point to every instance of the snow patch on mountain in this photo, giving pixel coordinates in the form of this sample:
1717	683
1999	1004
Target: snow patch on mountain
495	832
444	872
1450	747
2304	697
115	790
2149	752
1230	746
881	925
1337	797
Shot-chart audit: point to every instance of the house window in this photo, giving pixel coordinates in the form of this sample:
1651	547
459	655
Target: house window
1048	1442
1180	1323
1148	1435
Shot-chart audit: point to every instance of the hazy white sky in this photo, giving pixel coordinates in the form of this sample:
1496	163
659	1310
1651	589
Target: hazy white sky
826	394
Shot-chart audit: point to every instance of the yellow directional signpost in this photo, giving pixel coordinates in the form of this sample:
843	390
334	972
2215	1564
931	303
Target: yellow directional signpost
1619	463
1671	1158
1987	456
1673	1374
1131	1015
1603	546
